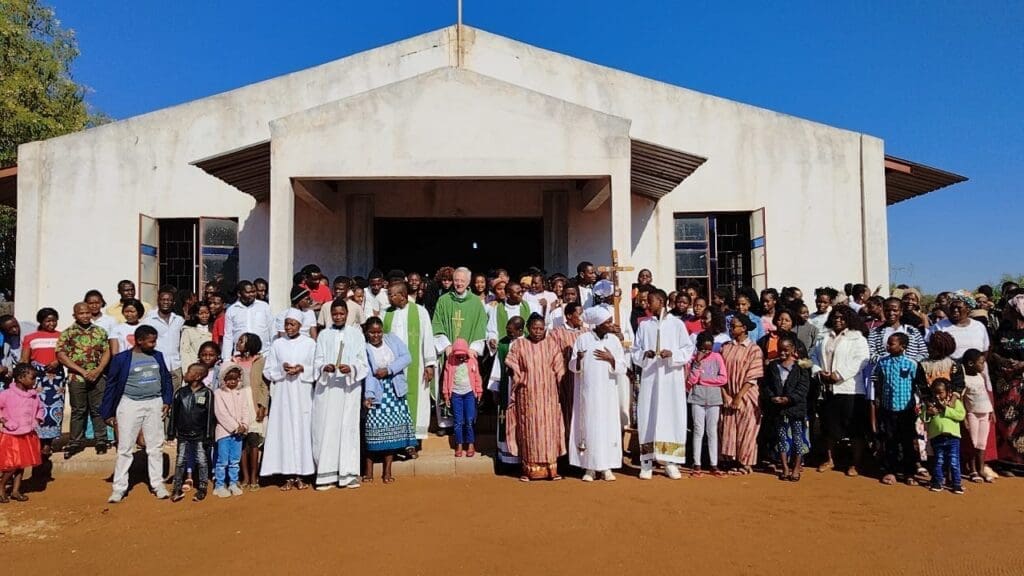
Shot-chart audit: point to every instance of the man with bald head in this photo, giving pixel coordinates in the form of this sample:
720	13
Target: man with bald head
84	349
458	314
411	324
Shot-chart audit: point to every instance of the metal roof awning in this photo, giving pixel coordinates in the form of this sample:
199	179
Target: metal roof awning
905	179
9	186
247	169
656	170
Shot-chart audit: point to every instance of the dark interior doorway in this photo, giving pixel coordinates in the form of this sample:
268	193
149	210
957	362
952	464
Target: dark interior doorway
425	244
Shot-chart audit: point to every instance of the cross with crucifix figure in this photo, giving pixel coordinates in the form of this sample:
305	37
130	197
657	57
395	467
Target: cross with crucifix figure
614	270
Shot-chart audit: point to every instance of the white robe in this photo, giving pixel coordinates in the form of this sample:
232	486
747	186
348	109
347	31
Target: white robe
428	357
661	406
337	398
289	444
595	434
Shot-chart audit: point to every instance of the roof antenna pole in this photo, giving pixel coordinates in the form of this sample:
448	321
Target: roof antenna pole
458	35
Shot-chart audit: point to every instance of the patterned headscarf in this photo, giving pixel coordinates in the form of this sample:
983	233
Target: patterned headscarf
965	297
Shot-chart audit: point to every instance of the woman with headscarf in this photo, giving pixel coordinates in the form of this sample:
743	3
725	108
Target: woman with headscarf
839	359
288	449
1007	359
741	413
967	332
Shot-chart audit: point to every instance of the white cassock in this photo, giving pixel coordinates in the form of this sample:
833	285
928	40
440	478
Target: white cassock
595	435
308	320
428	357
337	399
661	406
289	444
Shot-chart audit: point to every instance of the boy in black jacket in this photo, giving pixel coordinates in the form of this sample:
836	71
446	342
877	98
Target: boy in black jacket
192	424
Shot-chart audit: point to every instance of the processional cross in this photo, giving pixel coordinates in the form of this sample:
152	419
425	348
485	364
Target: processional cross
614	270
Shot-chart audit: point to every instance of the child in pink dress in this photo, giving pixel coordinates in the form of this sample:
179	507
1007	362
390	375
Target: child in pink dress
20	412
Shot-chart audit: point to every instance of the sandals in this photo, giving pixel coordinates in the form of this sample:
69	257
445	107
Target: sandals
187	486
556	478
524	478
976	478
717	473
4	499
388	480
19	497
826	466
851	472
795	476
300	485
458	453
288	485
696	473
367	479
888	480
470	453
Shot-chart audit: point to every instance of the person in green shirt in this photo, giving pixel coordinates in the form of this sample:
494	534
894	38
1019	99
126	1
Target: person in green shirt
942	416
85	351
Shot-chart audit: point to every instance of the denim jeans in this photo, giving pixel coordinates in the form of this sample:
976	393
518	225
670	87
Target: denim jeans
191	449
464	407
947	451
229	454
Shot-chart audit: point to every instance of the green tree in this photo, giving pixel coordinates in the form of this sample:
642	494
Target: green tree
38	97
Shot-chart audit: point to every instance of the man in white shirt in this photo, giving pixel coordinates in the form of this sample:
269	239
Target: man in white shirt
540	299
247	314
168	327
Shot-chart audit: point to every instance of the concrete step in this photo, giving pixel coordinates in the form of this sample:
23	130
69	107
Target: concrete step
436	458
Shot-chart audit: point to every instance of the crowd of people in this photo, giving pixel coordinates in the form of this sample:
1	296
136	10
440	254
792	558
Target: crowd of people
357	371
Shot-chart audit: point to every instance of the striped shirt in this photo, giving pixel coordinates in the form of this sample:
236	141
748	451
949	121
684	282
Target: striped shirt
895	377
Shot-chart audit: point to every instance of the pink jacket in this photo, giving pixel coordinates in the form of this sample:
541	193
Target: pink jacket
461	348
711	371
231	408
21	411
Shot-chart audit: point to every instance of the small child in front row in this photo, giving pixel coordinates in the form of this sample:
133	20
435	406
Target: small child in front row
704	387
978	404
20	412
192	423
231	407
463	387
943	415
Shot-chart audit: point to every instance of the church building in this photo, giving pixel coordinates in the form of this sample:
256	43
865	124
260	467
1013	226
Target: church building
455	147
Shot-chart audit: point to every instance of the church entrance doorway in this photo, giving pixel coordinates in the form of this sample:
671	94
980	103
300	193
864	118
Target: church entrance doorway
425	244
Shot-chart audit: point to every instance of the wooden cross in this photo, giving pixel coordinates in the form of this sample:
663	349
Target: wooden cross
614	269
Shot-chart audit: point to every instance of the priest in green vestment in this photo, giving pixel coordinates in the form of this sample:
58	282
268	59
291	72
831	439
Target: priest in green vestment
411	324
458	314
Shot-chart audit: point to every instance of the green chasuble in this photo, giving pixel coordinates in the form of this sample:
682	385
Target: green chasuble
457	317
414	373
463	317
502	320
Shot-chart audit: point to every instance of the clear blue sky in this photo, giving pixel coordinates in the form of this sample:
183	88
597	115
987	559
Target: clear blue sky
941	82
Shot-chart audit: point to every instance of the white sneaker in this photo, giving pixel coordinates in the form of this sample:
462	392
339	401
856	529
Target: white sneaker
324	487
608	476
646	471
588	476
161	493
235	490
672	471
221	492
115	497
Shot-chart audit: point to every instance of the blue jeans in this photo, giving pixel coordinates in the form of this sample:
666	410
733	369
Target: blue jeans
464	407
947	452
229	454
195	450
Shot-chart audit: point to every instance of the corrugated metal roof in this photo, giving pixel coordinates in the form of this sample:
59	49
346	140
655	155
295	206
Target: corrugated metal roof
247	169
656	170
905	179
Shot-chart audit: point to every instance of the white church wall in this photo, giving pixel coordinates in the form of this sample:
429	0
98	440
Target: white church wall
80	195
806	175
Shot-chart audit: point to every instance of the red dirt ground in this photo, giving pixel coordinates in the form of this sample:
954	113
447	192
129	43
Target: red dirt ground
826	524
